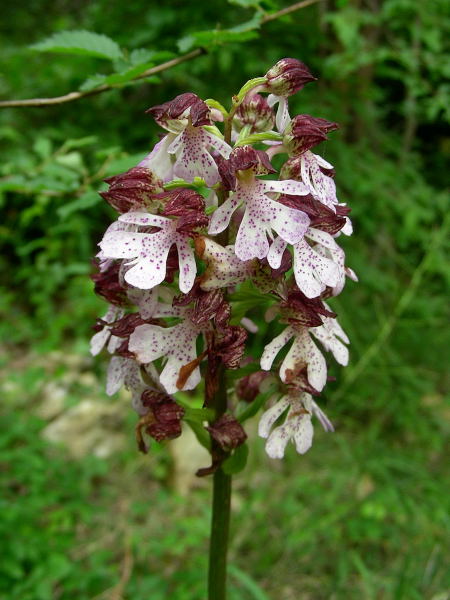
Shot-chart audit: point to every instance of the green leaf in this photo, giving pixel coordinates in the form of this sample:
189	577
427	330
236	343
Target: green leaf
118	78
209	39
253	23
246	3
237	461
142	55
200	433
85	43
198	414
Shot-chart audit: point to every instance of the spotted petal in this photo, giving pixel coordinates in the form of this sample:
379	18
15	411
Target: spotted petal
188	267
303	433
272	349
221	217
177	344
159	160
313	272
271	415
330	335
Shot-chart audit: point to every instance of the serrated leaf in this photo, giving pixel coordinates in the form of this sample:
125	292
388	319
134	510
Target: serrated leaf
237	461
85	43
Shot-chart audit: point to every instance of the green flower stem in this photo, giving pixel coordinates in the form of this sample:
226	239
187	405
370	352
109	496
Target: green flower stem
220	519
218	547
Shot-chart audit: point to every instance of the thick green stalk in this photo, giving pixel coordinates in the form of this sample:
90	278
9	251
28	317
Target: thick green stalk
221	502
218	547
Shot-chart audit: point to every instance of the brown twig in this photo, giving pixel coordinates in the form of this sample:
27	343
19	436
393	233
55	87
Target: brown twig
71	96
103	88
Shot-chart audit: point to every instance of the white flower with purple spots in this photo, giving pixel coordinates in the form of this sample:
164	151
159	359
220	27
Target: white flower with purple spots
261	216
321	186
148	252
224	268
297	425
303	352
192	151
103	337
176	344
316	265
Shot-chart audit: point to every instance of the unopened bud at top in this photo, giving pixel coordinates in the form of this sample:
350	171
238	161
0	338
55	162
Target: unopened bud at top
287	76
305	132
255	112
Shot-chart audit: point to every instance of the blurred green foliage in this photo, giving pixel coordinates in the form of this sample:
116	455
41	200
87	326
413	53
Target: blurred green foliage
383	75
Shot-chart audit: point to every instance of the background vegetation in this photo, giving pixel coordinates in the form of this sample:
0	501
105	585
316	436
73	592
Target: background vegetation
364	514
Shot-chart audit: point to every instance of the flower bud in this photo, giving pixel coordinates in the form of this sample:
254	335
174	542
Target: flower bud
287	77
246	157
132	190
255	112
182	107
186	204
227	432
248	387
304	132
167	415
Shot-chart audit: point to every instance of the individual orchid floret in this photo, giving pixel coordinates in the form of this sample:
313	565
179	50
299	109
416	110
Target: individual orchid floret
316	265
104	337
188	141
223	267
262	214
132	190
127	372
255	113
148	252
304	132
309	168
297	425
176	344
287	77
303	353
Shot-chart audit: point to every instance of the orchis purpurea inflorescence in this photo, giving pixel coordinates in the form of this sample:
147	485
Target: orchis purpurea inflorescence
211	237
